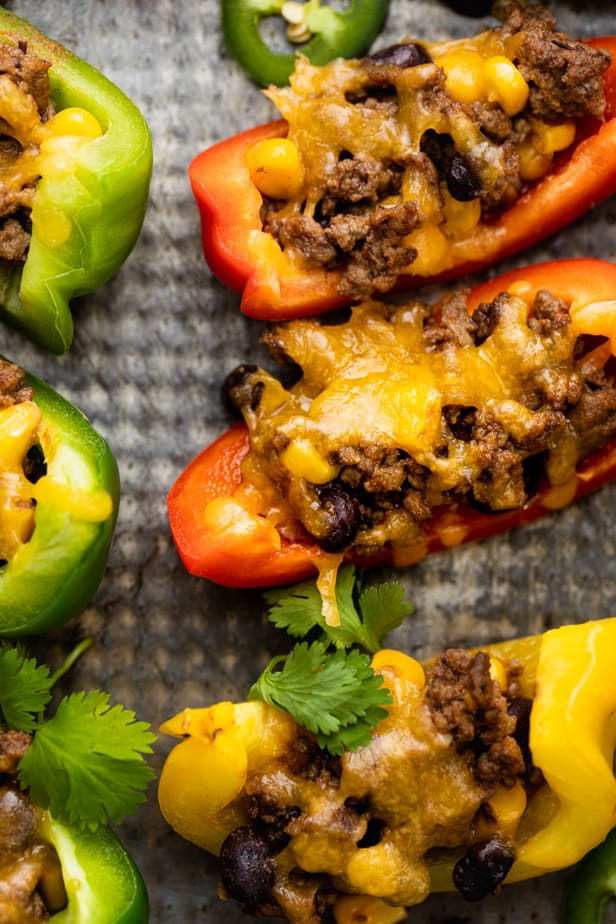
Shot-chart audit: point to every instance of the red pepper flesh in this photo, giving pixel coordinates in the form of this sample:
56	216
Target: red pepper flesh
229	204
254	555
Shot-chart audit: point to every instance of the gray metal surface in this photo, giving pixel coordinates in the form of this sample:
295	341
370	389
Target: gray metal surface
150	352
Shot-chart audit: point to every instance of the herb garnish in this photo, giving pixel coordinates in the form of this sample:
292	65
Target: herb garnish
85	763
328	685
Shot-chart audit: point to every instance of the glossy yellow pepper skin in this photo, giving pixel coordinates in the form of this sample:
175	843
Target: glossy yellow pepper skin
568	673
224	742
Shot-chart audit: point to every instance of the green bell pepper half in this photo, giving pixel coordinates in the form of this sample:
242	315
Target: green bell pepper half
102	199
53	576
103	884
592	885
345	34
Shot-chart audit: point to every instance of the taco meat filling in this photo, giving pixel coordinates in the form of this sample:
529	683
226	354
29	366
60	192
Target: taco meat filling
399	154
448	771
26	103
404	408
31	884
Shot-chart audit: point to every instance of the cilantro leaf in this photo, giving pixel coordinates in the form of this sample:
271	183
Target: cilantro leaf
382	608
296	609
378	610
328	692
85	763
24	690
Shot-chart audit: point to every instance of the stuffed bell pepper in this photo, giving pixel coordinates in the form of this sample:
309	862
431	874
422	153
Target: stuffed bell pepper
75	165
59	860
481	767
413	427
59	495
421	161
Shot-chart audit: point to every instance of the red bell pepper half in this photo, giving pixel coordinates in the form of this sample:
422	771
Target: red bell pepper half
229	204
219	539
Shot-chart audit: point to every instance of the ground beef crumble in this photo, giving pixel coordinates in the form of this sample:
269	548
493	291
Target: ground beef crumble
13	746
467	704
13	389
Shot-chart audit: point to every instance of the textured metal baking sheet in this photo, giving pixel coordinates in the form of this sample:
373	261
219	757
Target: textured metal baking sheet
150	352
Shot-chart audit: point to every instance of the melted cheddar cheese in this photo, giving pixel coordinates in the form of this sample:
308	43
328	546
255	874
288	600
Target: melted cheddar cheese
397	416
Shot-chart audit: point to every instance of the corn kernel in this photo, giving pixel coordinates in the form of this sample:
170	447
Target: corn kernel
533	163
505	84
276	168
498	672
390	661
303	459
463	73
461	217
508	806
74	121
552	138
432	247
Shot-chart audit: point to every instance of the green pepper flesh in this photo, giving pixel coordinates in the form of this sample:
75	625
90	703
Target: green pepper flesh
102	882
336	34
592	885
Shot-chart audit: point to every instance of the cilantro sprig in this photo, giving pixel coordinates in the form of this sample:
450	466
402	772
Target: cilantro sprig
327	685
86	763
367	614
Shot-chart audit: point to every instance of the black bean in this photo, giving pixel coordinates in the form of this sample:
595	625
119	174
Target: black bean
406	54
237	391
452	166
471	7
374	832
520	707
35	464
342	516
461	182
247	869
480	871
